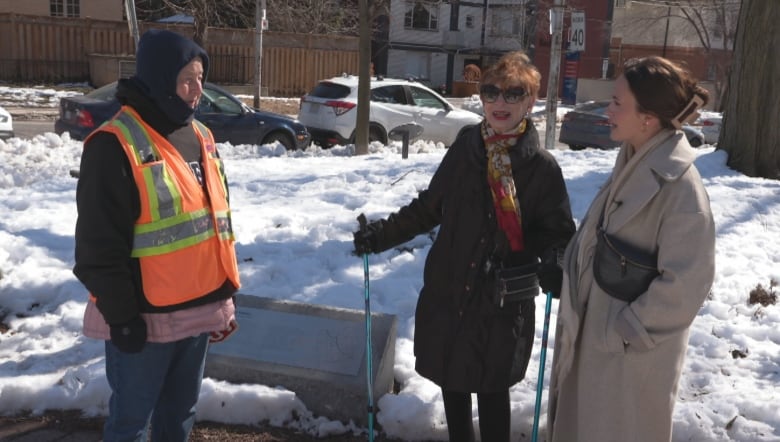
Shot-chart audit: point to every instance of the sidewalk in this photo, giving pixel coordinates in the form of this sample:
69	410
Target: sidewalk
40	430
32	113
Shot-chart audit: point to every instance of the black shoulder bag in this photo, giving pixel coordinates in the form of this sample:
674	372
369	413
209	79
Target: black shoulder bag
621	269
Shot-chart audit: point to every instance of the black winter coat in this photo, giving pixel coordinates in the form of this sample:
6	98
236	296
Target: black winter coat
463	340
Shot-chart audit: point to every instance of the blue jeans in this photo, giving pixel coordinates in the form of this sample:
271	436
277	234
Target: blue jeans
160	385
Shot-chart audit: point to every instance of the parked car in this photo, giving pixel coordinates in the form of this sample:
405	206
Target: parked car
6	124
710	127
329	111
230	120
587	125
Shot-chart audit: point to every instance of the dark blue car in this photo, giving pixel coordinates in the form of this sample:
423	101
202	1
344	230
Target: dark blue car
230	120
588	126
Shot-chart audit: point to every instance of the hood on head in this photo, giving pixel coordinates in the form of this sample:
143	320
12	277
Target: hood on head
160	56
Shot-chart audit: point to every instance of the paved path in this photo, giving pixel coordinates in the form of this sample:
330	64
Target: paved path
36	431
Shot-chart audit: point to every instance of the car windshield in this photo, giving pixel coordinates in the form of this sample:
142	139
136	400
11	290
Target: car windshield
104	93
326	89
598	107
216	102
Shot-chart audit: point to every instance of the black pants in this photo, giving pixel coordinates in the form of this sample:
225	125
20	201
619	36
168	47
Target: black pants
494	416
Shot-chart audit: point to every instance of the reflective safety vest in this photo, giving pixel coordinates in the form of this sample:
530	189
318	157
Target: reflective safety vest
183	237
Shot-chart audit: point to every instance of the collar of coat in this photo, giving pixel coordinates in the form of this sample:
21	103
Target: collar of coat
667	159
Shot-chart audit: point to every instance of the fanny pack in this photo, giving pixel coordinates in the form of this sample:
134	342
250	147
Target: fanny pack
514	284
621	269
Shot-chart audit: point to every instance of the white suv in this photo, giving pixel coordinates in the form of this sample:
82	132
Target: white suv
329	111
6	124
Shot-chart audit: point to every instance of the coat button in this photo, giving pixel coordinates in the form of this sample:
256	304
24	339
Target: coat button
473	264
468	288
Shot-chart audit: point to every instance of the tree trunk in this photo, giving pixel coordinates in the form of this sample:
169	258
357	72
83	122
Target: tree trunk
750	133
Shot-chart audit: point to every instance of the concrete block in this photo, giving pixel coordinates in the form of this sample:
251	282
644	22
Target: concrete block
318	352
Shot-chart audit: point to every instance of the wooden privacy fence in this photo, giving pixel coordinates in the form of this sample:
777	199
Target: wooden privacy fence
53	49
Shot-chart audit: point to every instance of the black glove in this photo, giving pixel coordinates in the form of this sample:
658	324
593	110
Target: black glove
550	272
367	238
129	337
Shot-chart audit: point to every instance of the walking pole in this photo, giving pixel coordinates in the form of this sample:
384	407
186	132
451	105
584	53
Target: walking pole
369	357
542	357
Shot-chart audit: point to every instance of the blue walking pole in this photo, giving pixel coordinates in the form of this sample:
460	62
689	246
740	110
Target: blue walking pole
369	357
542	358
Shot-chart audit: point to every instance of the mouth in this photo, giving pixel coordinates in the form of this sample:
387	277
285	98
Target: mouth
501	115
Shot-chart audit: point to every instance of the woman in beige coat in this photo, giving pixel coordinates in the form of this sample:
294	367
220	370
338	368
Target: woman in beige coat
617	362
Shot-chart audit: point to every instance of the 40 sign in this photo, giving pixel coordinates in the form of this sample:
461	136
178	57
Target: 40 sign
577	31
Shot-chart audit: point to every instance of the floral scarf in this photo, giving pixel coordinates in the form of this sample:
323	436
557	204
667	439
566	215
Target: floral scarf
501	182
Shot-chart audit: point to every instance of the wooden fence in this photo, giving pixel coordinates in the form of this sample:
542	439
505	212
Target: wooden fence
53	49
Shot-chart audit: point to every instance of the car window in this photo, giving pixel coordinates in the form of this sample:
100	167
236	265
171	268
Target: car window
326	89
421	97
389	94
215	102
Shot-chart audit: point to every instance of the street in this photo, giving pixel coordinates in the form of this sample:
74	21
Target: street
30	128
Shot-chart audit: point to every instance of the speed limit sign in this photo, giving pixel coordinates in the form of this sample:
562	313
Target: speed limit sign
577	31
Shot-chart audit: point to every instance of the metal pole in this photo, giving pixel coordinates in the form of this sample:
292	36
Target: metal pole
259	25
556	29
540	377
132	21
666	33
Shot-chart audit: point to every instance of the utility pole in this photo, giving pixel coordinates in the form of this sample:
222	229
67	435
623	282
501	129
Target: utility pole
132	21
666	33
556	29
261	24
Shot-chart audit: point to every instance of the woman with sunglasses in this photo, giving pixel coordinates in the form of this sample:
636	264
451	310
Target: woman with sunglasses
501	206
622	329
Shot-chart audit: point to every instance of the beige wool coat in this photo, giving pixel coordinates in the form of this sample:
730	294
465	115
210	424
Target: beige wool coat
616	365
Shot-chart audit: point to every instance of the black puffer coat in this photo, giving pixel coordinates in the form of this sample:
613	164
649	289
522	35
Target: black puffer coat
463	340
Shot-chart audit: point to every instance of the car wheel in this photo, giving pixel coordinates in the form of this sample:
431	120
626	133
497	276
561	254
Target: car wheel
695	142
284	139
576	147
376	133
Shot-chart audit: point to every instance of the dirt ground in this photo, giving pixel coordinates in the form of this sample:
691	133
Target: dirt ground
279	106
71	424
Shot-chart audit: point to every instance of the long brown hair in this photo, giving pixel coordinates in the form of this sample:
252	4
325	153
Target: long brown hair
664	89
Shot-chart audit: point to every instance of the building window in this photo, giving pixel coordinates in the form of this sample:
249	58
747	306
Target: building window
506	22
64	8
620	3
421	15
470	21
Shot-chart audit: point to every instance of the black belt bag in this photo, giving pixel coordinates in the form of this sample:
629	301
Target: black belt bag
515	284
621	269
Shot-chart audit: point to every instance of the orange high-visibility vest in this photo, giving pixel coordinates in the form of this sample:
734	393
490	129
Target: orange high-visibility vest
183	237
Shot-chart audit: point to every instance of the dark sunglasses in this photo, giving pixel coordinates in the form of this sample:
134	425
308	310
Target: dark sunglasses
489	94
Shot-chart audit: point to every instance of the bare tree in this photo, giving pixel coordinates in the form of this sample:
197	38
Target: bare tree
711	23
750	133
299	16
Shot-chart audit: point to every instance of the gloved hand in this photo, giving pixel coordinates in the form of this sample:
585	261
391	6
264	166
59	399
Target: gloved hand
129	337
550	272
366	239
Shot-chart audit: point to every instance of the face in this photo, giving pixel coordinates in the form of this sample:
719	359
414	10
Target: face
504	106
628	123
189	85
